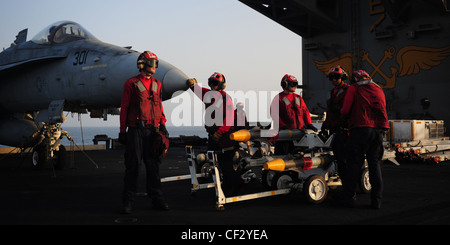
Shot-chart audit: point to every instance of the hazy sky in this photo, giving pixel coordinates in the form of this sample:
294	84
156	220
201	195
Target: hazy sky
199	37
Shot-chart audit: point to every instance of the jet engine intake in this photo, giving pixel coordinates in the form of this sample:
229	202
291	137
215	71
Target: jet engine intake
19	133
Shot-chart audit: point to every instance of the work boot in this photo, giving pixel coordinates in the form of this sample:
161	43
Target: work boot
161	205
341	201
375	204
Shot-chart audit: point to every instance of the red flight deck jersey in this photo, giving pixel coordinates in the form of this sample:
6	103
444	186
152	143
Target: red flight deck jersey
292	113
365	106
141	100
221	100
334	105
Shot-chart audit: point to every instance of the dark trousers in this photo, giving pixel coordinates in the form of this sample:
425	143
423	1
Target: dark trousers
225	151
339	150
364	143
139	143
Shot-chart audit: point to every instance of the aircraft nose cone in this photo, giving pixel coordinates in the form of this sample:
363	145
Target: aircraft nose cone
174	80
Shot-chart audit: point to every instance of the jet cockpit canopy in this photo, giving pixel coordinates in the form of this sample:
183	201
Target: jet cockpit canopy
62	32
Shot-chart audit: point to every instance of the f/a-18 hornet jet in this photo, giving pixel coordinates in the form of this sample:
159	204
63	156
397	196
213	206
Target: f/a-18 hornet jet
64	68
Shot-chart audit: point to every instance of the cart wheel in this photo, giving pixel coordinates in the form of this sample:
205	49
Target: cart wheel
220	208
266	179
315	189
281	180
364	184
193	193
206	170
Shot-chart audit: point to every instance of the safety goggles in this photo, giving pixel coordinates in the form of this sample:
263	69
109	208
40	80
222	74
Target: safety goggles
334	76
292	84
152	63
213	82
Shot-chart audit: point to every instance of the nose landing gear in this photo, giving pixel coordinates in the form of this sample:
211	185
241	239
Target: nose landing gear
49	147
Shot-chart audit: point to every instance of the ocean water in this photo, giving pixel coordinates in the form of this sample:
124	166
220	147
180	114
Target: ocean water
85	135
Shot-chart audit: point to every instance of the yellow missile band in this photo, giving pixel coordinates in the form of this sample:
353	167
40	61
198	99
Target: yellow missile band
277	165
241	135
322	160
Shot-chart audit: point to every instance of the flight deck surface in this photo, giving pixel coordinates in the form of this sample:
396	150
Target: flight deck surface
81	194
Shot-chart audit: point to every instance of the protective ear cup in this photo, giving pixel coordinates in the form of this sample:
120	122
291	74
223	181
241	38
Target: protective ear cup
140	65
344	76
140	62
284	82
223	84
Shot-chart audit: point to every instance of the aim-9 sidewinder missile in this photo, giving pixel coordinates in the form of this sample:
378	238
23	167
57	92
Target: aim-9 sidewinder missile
285	134
299	164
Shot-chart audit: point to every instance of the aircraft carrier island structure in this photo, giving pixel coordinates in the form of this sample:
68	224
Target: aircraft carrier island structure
403	44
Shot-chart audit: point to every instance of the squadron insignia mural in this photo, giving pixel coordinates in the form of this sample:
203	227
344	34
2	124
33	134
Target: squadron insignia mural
410	60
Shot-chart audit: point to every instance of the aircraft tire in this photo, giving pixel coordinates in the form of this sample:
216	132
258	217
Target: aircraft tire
39	156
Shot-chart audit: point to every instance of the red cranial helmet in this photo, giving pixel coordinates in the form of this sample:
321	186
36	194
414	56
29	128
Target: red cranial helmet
337	72
289	81
217	79
359	75
147	59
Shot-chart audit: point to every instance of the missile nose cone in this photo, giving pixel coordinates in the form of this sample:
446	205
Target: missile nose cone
276	164
241	135
174	80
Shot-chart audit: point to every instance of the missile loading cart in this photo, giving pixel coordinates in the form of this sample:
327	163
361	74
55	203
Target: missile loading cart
310	168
